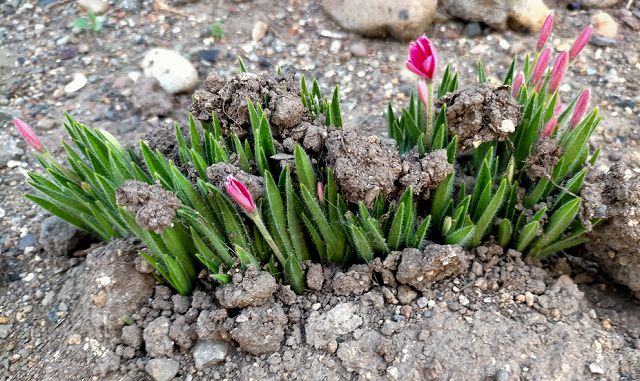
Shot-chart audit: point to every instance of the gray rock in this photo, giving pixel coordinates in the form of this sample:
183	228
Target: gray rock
322	329
156	337
58	237
211	325
206	354
5	330
149	97
132	336
602	41
175	73
490	12
595	3
181	333
402	19
180	303
163	369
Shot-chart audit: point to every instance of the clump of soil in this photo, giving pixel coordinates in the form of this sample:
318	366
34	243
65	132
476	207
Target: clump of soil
252	289
480	114
545	156
217	174
154	207
310	135
363	167
615	196
280	96
422	269
426	173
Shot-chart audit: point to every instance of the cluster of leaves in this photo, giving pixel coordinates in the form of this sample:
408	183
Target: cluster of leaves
541	222
302	211
91	23
217	32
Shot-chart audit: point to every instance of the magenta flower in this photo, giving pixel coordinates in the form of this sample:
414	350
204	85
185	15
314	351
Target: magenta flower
559	69
558	108
547	26
422	58
541	66
580	42
28	134
581	108
517	84
239	193
549	127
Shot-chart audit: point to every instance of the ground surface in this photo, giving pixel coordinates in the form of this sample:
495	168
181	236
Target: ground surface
40	53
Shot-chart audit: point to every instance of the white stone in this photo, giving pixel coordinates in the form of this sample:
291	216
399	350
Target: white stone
95	6
507	126
175	73
162	369
206	354
79	81
259	30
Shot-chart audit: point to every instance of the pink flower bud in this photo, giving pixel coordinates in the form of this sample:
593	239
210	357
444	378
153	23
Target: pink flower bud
580	42
423	92
239	193
422	58
320	189
541	66
546	30
549	127
28	134
557	73
581	108
517	84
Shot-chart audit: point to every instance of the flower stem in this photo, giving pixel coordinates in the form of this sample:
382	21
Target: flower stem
430	127
255	217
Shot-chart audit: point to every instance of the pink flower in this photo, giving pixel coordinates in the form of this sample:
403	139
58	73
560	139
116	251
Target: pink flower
422	58
559	69
549	127
580	42
423	92
27	134
581	108
239	193
546	30
517	84
541	66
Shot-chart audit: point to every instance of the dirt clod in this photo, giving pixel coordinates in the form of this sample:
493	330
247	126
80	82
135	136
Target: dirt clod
544	157
481	113
363	167
228	99
426	173
321	329
437	262
255	288
315	276
154	207
356	281
260	329
615	196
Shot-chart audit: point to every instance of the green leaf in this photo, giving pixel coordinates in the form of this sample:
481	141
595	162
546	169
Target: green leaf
481	76
489	213
361	243
440	200
304	170
293	222
241	67
275	207
460	236
336	115
293	274
60	211
508	78
246	258
558	223
505	230
419	239
395	237
527	234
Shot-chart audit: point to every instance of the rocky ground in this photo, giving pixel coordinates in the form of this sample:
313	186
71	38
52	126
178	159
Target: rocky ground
53	317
